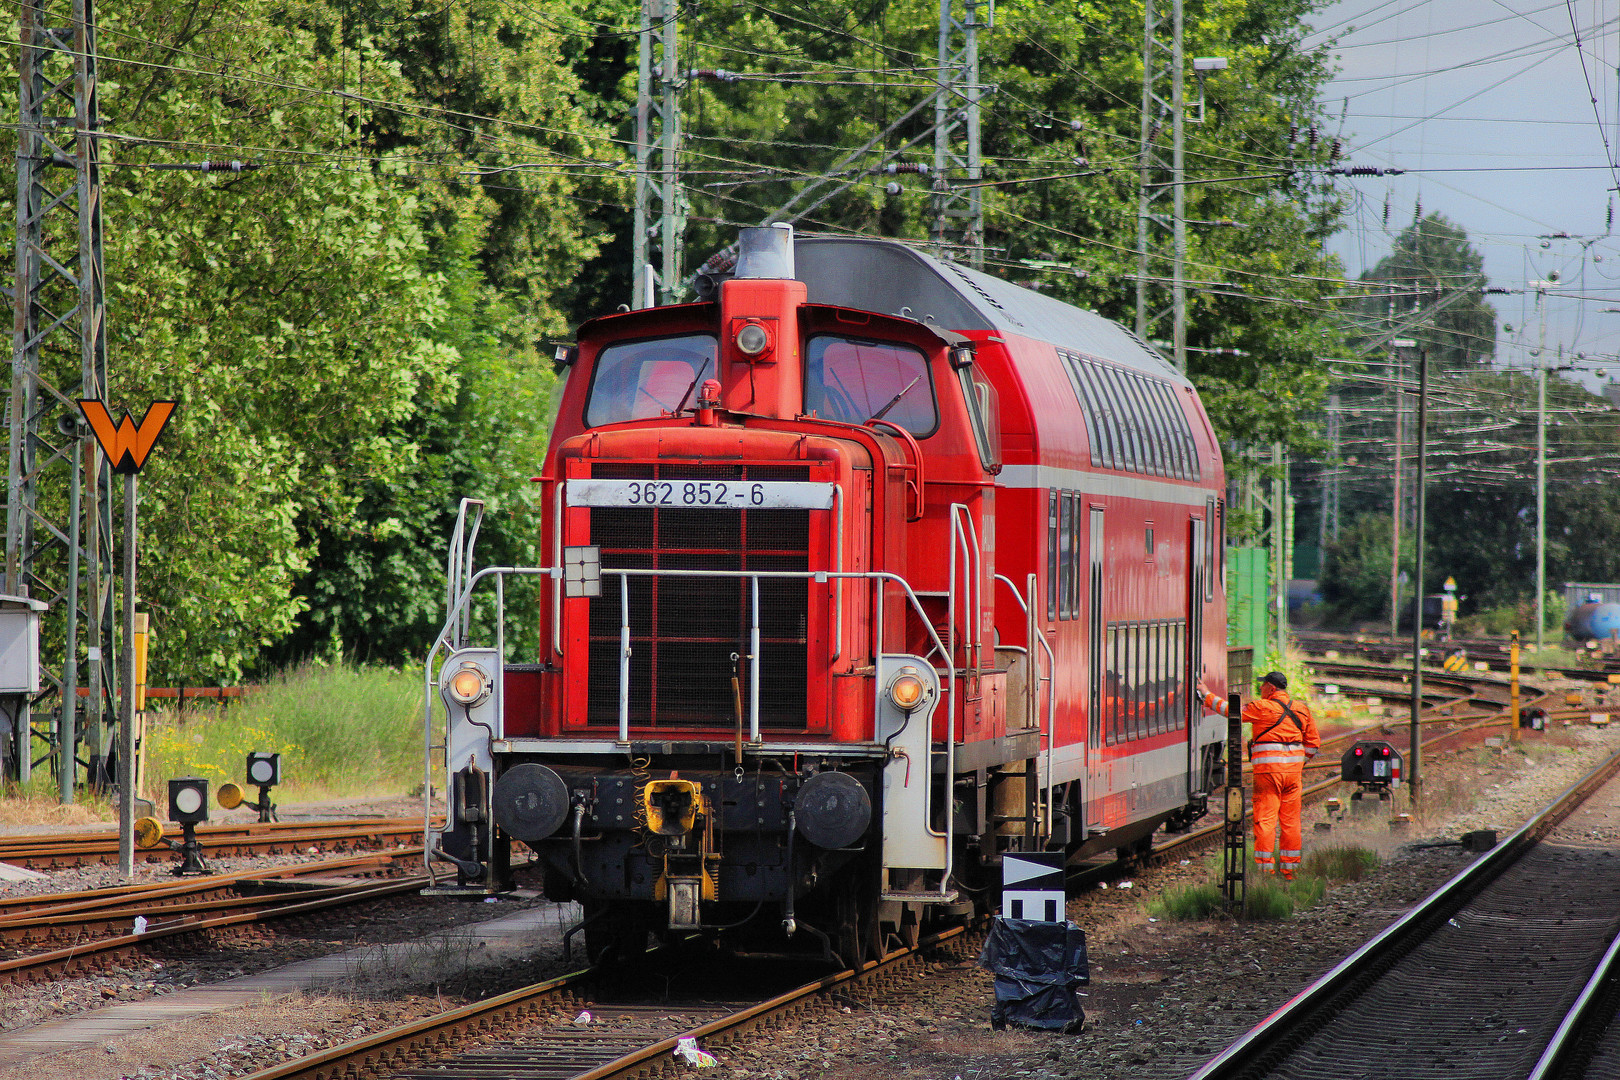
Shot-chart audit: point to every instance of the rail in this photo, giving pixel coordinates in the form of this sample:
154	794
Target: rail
1398	938
433	1042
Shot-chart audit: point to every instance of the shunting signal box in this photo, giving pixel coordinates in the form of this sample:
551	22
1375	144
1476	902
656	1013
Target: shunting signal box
1375	766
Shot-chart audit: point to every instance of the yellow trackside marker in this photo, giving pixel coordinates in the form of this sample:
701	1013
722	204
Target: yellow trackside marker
127	444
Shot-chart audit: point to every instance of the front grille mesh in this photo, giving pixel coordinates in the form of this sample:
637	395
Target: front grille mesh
684	630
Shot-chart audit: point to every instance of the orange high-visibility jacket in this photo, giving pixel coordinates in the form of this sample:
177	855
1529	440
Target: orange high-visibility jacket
1268	723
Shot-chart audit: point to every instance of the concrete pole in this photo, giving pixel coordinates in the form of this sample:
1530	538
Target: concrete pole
1412	774
1395	518
1541	502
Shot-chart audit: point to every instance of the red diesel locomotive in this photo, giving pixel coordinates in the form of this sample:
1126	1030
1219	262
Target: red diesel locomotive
862	572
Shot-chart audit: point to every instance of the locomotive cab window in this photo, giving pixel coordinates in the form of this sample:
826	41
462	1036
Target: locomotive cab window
853	381
984	413
643	380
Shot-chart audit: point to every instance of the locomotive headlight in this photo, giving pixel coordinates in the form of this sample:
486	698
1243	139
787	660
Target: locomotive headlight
753	339
469	686
906	690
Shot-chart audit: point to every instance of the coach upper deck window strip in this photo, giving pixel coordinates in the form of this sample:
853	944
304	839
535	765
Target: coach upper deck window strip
1134	422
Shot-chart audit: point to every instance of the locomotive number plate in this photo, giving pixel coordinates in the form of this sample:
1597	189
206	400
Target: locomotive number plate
702	494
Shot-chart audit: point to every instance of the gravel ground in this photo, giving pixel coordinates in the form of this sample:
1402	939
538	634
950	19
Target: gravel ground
1164	996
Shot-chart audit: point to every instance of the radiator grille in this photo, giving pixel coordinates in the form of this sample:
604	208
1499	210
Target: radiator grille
684	630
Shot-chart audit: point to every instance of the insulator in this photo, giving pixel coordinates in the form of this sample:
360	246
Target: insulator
1609	221
1077	125
892	188
1311	136
1293	132
917	167
1335	150
717	74
1386	209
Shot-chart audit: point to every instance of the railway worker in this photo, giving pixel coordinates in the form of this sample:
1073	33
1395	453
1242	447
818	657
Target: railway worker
1283	738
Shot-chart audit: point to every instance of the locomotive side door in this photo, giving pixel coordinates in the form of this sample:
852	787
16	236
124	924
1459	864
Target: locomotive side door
1197	578
1096	663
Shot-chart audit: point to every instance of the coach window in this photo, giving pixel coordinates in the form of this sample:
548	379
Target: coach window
643	380
1108	417
1111	685
1051	555
1066	559
854	381
1147	424
1102	444
1176	424
1130	434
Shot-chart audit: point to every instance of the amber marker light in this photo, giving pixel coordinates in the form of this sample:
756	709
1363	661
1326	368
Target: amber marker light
906	691
469	686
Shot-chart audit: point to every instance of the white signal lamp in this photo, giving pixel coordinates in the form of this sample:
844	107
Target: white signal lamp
264	769
188	800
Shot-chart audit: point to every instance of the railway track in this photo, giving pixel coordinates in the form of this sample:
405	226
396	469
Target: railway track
55	851
1478	980
531	1034
1492	653
47	937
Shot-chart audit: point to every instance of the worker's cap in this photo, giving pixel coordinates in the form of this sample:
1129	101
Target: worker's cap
1275	678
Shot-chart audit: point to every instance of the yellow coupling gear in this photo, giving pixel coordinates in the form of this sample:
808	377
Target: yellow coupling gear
679	812
672	806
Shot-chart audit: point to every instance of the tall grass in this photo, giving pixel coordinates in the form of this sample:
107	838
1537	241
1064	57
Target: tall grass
1267	896
341	731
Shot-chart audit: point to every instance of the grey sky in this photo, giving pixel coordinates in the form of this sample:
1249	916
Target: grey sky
1486	104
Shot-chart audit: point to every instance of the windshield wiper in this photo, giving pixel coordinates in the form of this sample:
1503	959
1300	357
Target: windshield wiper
693	386
881	413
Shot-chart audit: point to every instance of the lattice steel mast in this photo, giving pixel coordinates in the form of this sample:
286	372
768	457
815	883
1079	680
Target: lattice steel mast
658	98
958	214
59	492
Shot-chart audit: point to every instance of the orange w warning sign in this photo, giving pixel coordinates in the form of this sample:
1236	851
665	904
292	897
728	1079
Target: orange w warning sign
127	444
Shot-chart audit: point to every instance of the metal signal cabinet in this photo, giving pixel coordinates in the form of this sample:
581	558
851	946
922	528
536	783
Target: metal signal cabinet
863	570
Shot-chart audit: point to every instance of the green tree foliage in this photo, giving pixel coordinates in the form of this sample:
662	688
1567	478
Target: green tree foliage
351	330
1061	144
1432	259
1355	569
357	331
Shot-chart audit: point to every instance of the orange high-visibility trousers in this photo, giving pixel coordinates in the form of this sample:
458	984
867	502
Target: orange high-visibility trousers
1277	790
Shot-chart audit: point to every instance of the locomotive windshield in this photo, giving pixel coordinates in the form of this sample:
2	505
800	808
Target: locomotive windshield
643	380
854	381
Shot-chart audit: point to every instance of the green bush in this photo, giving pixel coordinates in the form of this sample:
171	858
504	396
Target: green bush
341	731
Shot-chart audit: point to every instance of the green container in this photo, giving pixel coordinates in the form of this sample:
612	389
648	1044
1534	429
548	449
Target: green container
1248	611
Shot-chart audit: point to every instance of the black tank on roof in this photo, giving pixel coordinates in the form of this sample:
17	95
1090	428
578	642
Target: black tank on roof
882	275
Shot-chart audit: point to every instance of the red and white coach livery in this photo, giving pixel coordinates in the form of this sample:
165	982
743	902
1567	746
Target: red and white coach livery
861	573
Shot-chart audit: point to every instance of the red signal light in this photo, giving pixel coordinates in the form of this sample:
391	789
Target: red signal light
1386	751
1359	751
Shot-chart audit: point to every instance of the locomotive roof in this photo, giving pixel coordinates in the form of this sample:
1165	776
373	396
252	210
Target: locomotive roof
881	275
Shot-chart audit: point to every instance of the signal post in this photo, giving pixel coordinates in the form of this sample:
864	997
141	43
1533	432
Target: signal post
127	445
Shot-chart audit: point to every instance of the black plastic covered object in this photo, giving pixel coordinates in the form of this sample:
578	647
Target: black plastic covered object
1038	966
